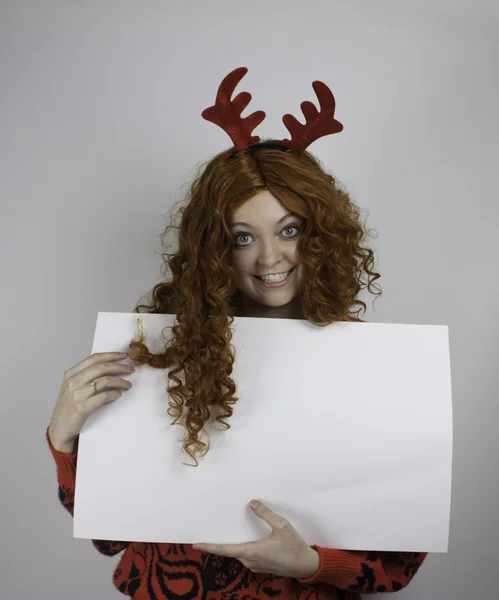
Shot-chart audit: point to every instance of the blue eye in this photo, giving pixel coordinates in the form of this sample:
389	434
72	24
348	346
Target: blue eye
238	240
292	227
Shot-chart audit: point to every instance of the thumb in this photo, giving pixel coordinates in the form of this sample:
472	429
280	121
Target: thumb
269	516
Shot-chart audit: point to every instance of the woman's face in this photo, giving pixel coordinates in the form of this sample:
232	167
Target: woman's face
265	253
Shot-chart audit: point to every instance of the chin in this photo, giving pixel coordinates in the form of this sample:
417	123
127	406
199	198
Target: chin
272	300
275	303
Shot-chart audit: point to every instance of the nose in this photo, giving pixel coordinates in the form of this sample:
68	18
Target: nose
270	253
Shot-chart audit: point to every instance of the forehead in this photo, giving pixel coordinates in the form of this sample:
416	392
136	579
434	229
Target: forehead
261	209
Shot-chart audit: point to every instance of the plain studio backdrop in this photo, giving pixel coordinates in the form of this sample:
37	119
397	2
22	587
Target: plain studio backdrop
100	133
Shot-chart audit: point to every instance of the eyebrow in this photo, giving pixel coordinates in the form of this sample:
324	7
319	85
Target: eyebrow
251	226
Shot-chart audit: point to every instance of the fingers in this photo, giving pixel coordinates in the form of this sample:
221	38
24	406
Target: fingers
97	366
109	383
92	360
94	402
77	399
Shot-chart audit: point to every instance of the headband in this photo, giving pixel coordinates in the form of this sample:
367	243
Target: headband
226	113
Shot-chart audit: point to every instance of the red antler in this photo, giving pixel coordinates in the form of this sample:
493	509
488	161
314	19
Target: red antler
227	114
317	124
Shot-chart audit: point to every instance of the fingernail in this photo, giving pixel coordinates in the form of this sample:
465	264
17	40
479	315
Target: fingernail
254	504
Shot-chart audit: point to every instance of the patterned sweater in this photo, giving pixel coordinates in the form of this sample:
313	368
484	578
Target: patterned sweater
150	571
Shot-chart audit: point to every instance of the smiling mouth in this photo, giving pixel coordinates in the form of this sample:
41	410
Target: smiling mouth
275	279
275	274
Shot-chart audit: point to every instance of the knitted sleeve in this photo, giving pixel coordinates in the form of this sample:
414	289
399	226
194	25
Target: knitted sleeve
66	476
366	572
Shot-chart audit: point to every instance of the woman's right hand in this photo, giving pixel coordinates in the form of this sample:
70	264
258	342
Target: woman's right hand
77	398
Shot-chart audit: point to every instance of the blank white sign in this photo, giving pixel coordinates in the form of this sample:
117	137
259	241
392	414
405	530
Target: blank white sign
345	430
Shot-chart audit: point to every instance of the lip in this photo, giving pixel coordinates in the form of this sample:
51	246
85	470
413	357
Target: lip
278	284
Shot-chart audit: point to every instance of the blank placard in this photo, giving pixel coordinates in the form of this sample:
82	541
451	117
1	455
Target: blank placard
345	430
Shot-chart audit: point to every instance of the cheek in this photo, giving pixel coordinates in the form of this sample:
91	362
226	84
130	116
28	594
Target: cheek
301	275
243	261
294	255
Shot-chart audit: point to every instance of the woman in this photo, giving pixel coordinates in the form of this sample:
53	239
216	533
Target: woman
265	233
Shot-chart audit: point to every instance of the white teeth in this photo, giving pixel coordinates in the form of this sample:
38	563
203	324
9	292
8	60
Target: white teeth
275	278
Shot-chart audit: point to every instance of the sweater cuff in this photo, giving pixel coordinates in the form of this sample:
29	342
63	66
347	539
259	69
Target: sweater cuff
336	568
66	464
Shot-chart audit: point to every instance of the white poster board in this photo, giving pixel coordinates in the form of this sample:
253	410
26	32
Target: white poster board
345	430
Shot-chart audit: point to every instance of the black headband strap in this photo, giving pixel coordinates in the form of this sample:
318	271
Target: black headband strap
270	146
263	145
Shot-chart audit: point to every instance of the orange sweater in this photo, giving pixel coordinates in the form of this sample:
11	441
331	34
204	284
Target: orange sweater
150	571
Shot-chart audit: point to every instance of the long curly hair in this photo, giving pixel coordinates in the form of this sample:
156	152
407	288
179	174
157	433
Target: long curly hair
200	287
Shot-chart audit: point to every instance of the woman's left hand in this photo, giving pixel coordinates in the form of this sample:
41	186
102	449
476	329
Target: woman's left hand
283	552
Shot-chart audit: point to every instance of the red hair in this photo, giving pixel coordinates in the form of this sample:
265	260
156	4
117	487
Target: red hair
200	287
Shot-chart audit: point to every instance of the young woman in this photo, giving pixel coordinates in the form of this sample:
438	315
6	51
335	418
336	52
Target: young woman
266	232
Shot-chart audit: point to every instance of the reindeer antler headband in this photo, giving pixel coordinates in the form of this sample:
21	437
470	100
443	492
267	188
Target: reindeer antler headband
226	113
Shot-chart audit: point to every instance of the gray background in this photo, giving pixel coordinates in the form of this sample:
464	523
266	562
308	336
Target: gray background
100	131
